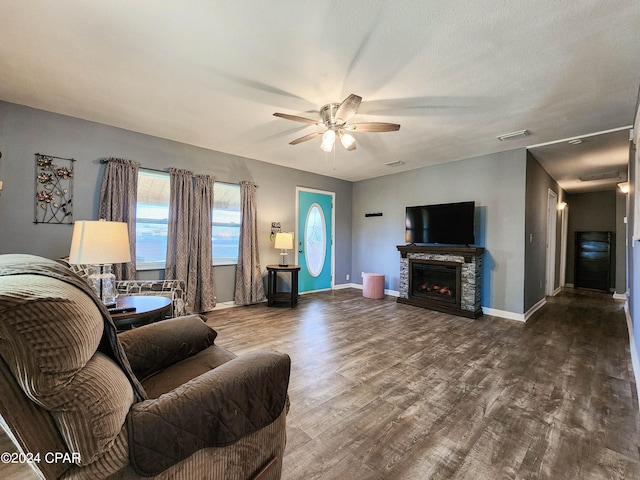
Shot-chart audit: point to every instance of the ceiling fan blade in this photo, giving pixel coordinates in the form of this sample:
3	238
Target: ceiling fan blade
347	108
305	138
373	127
296	118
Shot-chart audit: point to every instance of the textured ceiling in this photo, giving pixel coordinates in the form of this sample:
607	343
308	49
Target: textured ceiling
209	73
598	162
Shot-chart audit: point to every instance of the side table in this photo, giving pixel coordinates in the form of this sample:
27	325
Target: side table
144	309
273	295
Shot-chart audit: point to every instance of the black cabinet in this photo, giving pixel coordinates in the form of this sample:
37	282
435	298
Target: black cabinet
593	260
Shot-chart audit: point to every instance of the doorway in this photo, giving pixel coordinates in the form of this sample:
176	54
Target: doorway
564	232
315	228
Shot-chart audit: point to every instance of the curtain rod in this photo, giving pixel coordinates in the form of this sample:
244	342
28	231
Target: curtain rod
104	160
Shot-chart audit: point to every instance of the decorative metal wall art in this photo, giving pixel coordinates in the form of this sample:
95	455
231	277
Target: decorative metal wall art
53	189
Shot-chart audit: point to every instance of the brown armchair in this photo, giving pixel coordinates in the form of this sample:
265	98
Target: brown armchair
161	401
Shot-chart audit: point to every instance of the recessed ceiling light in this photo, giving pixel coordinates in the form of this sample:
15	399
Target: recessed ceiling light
519	133
575	141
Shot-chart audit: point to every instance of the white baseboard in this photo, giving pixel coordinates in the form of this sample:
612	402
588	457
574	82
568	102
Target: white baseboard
620	296
534	309
223	305
519	317
392	293
504	314
342	286
635	361
316	291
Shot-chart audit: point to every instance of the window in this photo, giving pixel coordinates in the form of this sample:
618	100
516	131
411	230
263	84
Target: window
152	214
225	233
315	240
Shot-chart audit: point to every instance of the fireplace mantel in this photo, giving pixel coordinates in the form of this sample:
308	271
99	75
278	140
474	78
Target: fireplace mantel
466	252
469	260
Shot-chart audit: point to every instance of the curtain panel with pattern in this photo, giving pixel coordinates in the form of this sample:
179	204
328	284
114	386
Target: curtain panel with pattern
249	284
118	197
189	255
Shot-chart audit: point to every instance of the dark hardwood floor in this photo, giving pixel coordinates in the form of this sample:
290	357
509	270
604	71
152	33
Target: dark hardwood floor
381	390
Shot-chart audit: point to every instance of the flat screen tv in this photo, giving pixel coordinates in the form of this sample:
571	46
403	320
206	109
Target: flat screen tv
447	223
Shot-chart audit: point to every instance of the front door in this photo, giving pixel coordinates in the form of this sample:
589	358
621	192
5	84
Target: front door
315	239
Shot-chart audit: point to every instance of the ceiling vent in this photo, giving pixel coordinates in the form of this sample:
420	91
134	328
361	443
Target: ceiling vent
600	176
394	163
508	136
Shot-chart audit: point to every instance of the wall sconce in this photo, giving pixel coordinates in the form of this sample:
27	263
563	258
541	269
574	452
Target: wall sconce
624	187
562	206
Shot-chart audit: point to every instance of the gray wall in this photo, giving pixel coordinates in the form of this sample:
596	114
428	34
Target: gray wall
495	182
594	211
537	196
25	131
501	184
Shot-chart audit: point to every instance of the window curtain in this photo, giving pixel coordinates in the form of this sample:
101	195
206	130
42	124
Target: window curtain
249	285
189	237
200	289
118	195
180	198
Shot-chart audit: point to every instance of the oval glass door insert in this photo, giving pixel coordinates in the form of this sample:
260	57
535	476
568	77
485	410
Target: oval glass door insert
315	240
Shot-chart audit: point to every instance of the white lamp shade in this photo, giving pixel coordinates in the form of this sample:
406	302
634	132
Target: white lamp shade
284	240
347	140
328	139
99	242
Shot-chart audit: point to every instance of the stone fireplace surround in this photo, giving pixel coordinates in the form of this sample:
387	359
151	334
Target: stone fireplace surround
469	259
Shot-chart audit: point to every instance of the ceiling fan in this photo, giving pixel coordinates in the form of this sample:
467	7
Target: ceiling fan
334	116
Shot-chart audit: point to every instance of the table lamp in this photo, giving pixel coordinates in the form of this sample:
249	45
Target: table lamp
100	244
284	241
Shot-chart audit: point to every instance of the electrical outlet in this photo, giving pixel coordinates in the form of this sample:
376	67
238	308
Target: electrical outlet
347	277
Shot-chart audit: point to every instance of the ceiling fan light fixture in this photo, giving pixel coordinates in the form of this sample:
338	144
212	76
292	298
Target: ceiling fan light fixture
335	118
347	140
328	139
